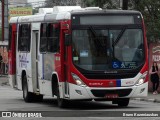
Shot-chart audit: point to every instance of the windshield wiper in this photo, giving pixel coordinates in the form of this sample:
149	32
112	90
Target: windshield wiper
95	38
118	38
92	31
98	39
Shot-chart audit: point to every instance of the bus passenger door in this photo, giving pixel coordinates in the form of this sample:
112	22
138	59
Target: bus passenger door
34	57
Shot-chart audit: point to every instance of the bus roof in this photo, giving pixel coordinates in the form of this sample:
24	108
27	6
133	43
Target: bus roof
64	13
46	14
111	11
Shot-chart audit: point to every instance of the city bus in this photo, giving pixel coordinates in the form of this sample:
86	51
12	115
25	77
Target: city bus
76	53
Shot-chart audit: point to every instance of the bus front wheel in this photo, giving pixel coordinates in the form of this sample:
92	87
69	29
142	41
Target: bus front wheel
61	102
123	102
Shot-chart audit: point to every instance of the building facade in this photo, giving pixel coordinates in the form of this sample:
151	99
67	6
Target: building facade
17	3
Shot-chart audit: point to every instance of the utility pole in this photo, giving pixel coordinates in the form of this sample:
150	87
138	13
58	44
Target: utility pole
125	4
4	4
5	20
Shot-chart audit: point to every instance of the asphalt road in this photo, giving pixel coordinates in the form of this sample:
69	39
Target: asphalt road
11	100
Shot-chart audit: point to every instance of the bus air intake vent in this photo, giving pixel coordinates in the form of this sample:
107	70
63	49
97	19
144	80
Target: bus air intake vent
120	92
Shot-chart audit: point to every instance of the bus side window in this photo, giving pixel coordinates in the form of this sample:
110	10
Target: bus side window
43	38
53	37
24	37
10	36
43	44
19	36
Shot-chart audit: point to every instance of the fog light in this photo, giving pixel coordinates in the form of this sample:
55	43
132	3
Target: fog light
142	90
79	92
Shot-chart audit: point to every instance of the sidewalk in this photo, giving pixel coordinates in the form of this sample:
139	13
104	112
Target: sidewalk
4	80
150	97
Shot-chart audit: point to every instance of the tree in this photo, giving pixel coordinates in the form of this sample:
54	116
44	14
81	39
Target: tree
51	3
109	4
151	12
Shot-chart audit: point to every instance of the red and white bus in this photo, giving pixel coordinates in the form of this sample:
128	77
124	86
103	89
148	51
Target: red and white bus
79	53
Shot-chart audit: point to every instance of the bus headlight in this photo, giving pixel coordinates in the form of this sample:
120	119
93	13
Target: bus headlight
78	80
141	80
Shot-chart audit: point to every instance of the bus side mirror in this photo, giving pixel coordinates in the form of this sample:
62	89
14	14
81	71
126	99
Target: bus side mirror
67	40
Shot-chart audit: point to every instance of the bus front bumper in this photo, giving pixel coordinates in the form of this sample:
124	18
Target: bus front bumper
77	92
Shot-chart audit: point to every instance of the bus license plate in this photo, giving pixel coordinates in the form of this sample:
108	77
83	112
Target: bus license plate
111	96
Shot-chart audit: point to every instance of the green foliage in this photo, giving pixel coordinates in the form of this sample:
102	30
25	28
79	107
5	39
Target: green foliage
151	12
109	4
88	3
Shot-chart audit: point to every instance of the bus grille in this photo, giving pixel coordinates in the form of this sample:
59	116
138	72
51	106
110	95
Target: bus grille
120	92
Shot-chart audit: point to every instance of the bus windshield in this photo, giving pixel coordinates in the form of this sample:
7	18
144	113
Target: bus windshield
107	49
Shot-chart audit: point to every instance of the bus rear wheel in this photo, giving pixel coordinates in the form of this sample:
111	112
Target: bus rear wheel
28	96
38	98
123	102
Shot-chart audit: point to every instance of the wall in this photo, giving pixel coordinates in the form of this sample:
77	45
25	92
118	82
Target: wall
4	62
154	55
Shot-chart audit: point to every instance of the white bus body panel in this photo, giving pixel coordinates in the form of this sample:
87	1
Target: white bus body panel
47	88
87	94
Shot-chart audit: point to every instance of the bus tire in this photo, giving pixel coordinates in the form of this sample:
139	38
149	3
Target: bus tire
123	102
62	103
28	96
38	98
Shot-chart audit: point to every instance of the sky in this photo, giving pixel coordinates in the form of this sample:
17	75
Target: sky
35	0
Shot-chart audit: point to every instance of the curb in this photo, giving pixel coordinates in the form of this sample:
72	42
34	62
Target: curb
147	100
